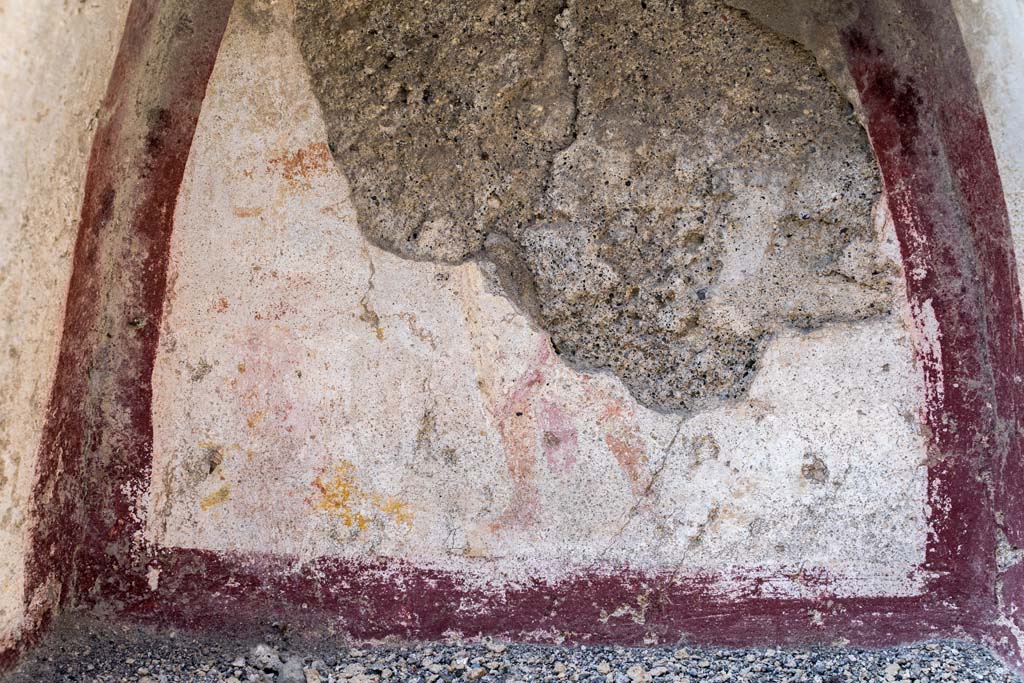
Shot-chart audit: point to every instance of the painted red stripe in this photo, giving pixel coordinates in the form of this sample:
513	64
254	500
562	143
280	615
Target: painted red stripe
928	130
98	428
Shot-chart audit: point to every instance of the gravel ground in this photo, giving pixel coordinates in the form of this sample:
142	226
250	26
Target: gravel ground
107	654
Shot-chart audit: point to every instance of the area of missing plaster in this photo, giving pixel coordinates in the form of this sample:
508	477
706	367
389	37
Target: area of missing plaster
661	185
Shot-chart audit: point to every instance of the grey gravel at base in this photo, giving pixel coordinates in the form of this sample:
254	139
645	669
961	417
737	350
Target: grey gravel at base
121	654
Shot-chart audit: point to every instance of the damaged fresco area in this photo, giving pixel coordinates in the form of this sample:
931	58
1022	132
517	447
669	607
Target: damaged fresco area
662	186
316	394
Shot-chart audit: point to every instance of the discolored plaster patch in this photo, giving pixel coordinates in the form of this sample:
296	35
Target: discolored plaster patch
299	165
260	14
662	186
814	469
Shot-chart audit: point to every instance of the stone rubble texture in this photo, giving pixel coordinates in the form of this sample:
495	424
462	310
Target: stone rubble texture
661	186
102	654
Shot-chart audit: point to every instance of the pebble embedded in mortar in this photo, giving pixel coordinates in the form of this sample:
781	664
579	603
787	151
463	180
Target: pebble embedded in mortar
660	185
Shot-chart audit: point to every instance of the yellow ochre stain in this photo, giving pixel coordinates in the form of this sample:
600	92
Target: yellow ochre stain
216	498
396	510
340	495
220	448
336	495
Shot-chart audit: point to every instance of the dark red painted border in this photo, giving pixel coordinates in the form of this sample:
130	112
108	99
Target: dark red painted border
112	315
928	131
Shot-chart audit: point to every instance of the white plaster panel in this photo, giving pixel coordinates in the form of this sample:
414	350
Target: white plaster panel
317	396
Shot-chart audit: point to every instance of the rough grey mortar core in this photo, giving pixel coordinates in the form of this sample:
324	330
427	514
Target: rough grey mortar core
660	185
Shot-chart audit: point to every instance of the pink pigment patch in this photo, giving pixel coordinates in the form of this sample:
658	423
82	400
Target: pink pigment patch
518	425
